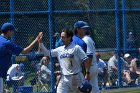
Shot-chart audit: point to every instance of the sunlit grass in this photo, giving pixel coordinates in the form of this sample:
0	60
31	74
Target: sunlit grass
129	91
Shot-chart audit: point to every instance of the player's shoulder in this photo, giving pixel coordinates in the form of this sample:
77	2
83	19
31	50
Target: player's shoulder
60	47
4	40
75	38
87	38
76	46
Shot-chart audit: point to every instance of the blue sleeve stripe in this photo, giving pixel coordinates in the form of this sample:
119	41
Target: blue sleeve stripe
89	53
90	56
84	59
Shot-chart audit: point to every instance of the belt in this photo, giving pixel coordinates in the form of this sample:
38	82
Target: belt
72	74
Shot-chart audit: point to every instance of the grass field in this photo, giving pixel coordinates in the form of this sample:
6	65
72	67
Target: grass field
132	91
119	90
123	90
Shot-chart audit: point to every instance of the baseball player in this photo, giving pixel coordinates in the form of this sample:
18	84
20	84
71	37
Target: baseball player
84	32
77	38
70	57
7	48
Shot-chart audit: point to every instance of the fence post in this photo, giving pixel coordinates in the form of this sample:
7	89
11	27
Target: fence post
51	43
118	41
12	14
124	24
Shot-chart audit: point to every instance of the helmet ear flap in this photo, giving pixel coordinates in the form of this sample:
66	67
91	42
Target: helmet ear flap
85	87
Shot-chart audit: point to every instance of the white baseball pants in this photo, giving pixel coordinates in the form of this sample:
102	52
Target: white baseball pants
94	78
69	84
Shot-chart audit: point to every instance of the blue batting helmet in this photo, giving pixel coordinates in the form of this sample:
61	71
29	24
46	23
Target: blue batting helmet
85	87
7	26
81	24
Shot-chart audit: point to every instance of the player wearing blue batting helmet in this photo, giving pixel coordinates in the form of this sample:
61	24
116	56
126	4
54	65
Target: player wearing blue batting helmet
9	48
85	87
81	25
77	39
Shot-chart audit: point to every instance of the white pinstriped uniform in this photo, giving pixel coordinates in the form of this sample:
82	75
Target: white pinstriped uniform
94	68
70	59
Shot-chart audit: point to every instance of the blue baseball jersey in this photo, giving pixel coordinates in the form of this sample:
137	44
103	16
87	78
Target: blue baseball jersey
7	49
77	40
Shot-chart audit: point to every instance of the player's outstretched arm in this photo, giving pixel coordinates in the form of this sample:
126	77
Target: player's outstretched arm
28	48
45	51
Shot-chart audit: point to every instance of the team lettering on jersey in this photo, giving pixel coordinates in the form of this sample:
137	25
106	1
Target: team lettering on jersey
66	55
67	58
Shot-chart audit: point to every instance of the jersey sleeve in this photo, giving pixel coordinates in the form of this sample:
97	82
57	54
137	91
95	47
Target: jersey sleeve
81	54
54	52
90	46
13	48
47	52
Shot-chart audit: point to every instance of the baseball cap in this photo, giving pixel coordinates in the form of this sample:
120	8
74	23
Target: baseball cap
81	24
7	26
126	55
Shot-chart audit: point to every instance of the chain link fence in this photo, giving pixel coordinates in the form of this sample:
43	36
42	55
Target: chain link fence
110	21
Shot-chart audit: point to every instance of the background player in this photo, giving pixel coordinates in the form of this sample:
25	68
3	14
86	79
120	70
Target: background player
70	57
77	38
84	32
7	48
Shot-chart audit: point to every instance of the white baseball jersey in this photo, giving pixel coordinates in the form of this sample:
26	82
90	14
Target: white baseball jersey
70	57
45	73
13	72
46	69
101	65
94	68
90	47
